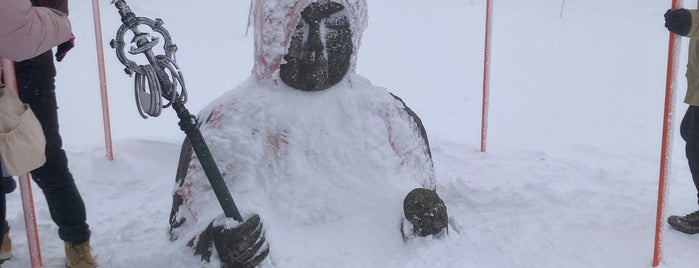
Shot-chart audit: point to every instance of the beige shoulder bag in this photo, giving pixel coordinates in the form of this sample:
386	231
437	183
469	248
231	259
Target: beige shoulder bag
22	141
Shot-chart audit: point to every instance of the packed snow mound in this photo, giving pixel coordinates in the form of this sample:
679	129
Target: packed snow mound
352	148
304	160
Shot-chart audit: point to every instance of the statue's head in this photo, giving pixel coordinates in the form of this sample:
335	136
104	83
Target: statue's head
320	49
309	45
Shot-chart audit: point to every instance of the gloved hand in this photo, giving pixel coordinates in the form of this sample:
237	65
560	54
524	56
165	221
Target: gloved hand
63	48
8	185
678	21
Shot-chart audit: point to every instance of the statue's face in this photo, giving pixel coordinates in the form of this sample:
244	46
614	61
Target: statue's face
320	49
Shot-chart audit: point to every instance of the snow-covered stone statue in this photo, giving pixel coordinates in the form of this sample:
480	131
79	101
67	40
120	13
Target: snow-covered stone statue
312	147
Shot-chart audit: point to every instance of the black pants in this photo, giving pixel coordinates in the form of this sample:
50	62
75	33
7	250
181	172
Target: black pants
689	130
35	80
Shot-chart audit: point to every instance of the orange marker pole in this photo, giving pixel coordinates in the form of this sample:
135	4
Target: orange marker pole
666	148
103	80
486	74
25	188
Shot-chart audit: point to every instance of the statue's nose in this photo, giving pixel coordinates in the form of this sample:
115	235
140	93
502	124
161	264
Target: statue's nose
314	42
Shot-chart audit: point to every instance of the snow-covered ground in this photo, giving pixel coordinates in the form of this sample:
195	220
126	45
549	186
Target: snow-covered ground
570	177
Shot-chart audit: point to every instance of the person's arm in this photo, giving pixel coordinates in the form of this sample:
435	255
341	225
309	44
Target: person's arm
693	24
61	5
27	31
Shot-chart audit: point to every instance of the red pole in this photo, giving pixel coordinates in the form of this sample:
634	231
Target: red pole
665	151
103	79
25	188
563	4
486	74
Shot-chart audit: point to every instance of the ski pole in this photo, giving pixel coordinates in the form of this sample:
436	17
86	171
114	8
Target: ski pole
666	148
25	188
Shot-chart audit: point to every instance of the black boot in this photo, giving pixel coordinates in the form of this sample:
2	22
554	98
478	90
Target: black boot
687	224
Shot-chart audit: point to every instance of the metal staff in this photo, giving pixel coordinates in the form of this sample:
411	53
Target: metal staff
158	74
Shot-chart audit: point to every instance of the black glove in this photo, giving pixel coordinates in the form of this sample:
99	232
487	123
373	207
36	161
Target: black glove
8	185
678	21
63	48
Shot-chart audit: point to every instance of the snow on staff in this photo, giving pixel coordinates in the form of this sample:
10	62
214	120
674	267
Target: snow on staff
238	245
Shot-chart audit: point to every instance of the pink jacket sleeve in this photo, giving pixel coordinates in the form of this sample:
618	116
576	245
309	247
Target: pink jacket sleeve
27	31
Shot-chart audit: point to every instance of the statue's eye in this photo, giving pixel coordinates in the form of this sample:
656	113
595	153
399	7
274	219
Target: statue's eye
339	22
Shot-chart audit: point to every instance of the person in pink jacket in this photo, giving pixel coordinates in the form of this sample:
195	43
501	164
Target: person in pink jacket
27	31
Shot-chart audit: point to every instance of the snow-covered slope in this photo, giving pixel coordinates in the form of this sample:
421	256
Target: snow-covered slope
569	180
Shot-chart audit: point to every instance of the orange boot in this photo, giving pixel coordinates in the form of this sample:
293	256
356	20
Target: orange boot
79	256
6	247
